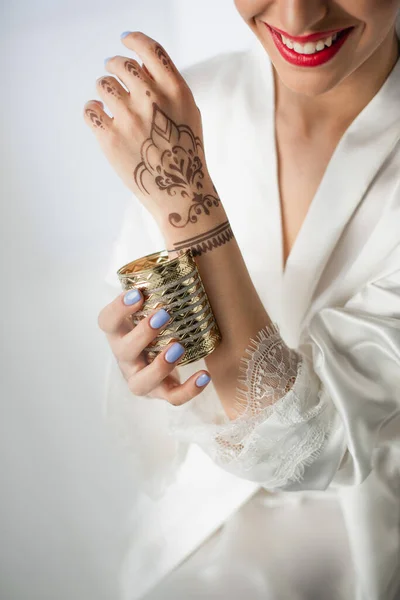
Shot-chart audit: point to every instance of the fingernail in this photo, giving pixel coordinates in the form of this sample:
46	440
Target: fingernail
203	380
132	297
159	319
174	352
125	33
106	59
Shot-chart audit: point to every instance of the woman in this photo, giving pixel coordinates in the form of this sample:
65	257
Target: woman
302	138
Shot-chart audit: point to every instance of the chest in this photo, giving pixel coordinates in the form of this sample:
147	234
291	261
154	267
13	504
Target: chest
301	164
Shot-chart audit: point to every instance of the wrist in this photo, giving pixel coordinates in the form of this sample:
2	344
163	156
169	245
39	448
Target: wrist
207	232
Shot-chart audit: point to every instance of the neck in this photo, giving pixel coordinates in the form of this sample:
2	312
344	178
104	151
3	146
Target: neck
340	106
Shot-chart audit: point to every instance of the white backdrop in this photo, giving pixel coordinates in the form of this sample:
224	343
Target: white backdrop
66	488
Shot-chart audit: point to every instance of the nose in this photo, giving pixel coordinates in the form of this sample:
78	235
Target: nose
298	17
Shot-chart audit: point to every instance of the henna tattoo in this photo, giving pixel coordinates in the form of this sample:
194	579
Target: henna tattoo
97	120
109	88
132	68
202	204
207	241
170	157
164	58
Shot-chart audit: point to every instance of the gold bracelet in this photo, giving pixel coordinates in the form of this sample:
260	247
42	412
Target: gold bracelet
176	286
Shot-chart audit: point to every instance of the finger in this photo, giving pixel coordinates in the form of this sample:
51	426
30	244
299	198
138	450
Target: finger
130	346
114	318
171	381
145	69
145	380
131	74
115	96
95	117
130	368
181	394
156	59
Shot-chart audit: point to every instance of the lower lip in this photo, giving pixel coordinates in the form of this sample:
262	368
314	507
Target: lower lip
308	60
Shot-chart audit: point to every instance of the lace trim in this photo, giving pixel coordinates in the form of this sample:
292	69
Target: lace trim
267	372
282	423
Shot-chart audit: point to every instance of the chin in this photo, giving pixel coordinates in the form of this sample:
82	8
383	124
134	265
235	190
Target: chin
307	84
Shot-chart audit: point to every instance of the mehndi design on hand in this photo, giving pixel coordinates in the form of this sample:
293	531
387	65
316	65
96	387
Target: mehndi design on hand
133	68
207	241
96	120
154	138
170	156
163	57
107	84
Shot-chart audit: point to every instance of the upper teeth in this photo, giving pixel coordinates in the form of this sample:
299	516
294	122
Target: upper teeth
309	47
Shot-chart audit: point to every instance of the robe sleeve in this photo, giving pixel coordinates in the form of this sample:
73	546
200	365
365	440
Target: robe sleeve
332	413
338	410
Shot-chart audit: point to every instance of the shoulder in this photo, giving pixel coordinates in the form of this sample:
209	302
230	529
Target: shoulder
216	75
214	66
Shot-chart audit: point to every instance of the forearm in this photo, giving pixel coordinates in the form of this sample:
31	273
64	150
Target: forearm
236	305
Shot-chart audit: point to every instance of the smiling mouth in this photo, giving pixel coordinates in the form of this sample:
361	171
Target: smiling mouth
311	50
312	47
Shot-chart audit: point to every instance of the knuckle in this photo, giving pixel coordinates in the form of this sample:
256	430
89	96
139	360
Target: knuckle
128	369
113	139
135	386
132	369
102	321
160	368
133	125
173	401
178	89
126	349
140	336
135	368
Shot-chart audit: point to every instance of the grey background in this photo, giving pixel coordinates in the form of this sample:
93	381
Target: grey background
66	488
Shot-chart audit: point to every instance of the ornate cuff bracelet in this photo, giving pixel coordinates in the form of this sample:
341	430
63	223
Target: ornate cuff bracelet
176	286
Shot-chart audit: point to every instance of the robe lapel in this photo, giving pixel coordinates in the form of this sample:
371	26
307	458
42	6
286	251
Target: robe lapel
352	168
241	156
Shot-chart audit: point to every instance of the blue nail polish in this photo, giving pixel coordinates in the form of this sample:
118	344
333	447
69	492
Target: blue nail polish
203	379
159	319
107	59
125	33
174	352
132	297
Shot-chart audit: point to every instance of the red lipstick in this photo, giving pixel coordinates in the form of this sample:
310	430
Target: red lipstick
302	39
309	60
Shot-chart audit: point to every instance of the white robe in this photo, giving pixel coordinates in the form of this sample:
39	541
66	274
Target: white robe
335	533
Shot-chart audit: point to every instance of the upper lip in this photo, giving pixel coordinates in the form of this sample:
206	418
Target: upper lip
320	35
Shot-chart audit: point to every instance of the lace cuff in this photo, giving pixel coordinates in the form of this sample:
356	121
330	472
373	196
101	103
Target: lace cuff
282	422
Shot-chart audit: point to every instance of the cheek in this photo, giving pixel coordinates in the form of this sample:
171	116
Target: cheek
368	11
249	9
376	18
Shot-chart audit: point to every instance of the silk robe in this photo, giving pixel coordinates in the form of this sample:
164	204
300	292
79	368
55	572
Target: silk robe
338	299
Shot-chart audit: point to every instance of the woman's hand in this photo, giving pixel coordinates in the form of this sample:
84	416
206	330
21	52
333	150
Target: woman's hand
154	140
157	379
